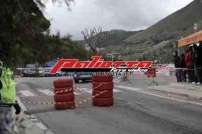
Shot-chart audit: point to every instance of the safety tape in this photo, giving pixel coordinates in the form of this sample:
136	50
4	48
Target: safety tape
172	69
64	90
90	98
77	104
39	103
163	66
53	103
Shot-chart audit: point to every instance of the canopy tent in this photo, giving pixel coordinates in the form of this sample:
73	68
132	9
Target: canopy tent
193	38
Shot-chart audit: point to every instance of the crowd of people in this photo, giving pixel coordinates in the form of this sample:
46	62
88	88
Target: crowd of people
189	64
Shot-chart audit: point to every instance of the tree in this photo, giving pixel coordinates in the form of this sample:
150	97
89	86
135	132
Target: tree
95	37
23	27
89	34
21	30
42	3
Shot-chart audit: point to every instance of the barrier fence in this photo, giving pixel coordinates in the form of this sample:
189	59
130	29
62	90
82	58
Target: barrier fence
61	99
153	77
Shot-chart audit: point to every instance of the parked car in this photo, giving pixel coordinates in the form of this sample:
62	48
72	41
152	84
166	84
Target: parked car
29	72
82	76
48	74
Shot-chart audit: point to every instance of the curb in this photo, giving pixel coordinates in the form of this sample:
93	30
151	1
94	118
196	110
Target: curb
33	119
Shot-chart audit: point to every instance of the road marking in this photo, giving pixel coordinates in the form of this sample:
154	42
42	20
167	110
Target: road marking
173	99
76	93
41	126
27	93
46	92
117	90
21	104
128	88
88	90
160	96
33	118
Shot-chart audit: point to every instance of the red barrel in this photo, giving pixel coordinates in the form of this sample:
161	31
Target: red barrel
102	91
64	94
63	83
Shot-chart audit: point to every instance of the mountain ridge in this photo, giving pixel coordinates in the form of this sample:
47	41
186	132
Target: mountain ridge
157	42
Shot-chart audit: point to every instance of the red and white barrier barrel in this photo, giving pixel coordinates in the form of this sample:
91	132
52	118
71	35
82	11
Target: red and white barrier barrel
64	94
102	90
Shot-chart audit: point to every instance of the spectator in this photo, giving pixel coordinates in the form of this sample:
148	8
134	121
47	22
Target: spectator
183	66
177	65
200	61
196	64
189	64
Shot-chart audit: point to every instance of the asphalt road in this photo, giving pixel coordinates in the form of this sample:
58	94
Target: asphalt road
133	112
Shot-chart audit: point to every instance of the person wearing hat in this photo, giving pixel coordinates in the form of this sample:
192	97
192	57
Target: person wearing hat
7	100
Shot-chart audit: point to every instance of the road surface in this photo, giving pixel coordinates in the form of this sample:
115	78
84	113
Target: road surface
133	113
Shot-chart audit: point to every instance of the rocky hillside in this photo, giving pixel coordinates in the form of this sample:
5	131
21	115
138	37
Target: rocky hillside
157	42
164	33
113	38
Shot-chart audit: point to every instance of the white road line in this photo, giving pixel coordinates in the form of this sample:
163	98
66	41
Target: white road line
76	93
156	95
41	126
27	93
88	90
46	92
173	99
128	88
34	120
117	90
21	104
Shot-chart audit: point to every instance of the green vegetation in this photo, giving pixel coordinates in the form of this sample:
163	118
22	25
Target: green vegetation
25	37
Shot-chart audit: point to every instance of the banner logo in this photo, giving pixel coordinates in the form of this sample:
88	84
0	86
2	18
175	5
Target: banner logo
98	64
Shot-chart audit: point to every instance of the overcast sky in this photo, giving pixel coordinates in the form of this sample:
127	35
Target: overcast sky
110	14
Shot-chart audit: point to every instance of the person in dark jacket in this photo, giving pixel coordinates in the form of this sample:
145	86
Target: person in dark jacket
177	66
200	61
183	66
189	64
196	63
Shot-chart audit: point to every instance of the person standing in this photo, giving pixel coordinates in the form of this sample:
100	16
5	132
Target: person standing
189	64
177	66
196	63
200	61
183	66
7	101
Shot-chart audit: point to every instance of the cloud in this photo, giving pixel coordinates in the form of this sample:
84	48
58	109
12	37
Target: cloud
110	14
